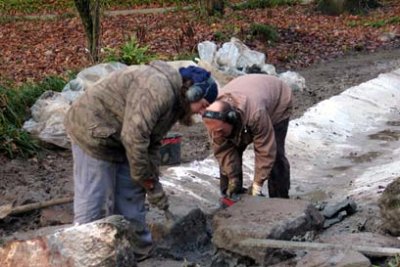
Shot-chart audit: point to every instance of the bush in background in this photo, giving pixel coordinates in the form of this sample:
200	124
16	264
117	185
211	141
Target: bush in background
130	53
14	107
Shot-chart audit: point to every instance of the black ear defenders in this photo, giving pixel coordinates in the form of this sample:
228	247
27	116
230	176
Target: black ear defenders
230	117
196	92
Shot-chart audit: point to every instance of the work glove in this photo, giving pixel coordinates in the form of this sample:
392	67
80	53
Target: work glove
234	187
256	190
157	197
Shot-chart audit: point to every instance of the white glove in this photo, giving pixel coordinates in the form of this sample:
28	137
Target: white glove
256	190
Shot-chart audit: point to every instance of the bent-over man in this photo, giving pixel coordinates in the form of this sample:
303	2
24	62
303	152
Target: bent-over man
253	108
116	128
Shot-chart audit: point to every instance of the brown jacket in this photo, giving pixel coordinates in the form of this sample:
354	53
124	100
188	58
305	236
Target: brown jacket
126	115
262	101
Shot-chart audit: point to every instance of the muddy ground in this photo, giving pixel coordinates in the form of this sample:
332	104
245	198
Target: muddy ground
49	175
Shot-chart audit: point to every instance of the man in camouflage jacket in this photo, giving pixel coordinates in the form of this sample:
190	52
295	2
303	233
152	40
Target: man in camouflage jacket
116	128
253	108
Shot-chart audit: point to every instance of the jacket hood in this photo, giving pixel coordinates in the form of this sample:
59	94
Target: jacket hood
170	72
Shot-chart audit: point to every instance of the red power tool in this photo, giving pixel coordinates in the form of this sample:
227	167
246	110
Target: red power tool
229	201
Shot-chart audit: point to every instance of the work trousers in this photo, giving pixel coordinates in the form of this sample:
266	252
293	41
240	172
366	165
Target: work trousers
279	180
103	188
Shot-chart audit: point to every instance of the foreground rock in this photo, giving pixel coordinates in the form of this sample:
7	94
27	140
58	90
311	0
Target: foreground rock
186	238
108	242
389	204
263	218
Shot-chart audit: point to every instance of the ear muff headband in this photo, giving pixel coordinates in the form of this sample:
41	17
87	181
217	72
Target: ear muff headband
229	117
196	92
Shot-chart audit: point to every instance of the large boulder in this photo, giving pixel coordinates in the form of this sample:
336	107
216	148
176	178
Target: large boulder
108	242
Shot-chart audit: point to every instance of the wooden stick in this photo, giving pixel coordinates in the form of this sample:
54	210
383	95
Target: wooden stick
367	250
9	210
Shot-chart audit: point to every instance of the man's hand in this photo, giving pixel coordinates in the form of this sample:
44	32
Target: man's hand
256	190
233	187
157	197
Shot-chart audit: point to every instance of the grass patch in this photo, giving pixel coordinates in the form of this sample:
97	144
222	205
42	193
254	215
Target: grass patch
14	106
256	4
376	23
264	32
34	6
60	6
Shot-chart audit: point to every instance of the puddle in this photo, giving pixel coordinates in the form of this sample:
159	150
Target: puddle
386	135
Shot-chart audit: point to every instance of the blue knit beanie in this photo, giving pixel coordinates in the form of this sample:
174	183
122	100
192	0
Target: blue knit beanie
202	79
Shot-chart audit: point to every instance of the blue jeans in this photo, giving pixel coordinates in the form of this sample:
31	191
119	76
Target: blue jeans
103	188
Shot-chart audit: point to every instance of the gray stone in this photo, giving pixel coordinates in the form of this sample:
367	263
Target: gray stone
335	258
107	242
332	209
261	218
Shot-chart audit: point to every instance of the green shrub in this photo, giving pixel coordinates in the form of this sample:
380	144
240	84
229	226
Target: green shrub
254	4
375	24
14	106
220	36
130	53
264	32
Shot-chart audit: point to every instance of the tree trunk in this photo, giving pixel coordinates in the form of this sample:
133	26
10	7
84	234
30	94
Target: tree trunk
89	11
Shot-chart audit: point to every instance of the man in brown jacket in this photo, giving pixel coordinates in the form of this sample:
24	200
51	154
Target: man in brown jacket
116	128
253	108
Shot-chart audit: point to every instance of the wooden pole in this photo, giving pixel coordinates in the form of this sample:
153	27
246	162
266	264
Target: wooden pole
367	250
6	210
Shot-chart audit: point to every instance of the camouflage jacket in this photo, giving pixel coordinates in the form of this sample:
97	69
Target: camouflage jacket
126	114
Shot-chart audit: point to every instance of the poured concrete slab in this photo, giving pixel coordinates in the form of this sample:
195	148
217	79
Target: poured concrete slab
261	218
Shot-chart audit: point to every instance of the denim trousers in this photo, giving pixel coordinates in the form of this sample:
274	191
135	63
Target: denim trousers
103	188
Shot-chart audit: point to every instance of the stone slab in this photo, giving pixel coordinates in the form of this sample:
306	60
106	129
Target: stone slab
258	217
